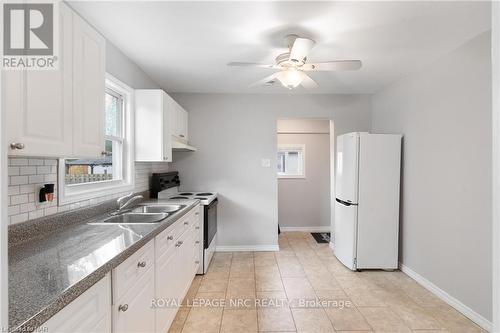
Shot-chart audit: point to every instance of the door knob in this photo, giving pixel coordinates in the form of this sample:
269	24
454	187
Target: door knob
16	145
123	307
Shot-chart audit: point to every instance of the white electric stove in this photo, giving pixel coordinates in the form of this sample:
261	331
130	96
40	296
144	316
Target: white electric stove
166	186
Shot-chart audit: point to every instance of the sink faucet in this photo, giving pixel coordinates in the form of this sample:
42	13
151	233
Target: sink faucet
126	201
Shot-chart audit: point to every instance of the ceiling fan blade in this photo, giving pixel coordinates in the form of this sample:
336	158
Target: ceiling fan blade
336	65
309	83
249	64
265	80
300	49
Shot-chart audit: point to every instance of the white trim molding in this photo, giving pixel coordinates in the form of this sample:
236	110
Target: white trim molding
3	209
495	62
247	248
444	296
325	228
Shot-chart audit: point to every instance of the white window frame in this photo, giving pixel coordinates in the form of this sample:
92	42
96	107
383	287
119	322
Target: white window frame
291	147
84	191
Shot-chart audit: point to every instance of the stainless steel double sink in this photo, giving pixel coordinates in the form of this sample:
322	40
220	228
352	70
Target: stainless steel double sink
143	214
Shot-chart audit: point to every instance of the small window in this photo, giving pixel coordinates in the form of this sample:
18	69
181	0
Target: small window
291	161
78	171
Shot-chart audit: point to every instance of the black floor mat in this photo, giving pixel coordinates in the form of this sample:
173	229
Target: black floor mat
321	237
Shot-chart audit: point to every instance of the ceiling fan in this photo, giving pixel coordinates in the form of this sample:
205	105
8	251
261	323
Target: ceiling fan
292	65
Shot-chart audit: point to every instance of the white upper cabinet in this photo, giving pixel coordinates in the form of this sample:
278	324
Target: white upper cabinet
152	126
88	89
39	102
179	123
60	113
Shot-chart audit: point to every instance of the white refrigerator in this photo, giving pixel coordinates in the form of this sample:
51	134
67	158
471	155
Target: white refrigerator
367	190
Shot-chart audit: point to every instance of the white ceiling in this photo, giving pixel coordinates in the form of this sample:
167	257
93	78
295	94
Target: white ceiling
185	46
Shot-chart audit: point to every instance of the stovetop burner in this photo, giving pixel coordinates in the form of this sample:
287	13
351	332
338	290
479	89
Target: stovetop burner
186	193
179	198
200	198
204	194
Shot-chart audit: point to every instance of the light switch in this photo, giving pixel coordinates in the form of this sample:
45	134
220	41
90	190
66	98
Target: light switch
266	163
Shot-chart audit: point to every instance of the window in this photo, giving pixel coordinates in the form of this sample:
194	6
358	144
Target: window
291	161
93	177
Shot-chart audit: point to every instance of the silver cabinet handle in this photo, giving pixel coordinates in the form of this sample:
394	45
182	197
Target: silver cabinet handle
196	262
170	237
197	213
181	135
186	223
179	243
123	307
16	145
197	242
106	153
141	264
197	228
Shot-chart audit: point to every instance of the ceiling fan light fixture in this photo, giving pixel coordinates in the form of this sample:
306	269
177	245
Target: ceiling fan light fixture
291	78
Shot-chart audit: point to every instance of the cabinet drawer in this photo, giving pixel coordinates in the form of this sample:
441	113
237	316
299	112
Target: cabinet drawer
164	241
90	312
132	269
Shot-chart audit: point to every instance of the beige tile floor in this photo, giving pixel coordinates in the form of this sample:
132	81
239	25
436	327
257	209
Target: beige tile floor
304	288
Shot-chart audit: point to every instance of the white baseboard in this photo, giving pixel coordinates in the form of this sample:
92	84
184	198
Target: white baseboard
307	229
452	301
247	248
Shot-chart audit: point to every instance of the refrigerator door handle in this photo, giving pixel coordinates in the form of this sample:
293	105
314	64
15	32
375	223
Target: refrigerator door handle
345	203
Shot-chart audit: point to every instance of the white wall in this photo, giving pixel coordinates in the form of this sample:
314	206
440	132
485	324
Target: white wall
444	113
233	133
305	202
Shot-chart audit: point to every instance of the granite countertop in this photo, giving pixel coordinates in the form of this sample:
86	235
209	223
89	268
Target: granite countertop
47	273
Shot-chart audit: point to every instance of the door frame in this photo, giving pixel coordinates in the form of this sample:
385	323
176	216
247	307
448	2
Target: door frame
495	53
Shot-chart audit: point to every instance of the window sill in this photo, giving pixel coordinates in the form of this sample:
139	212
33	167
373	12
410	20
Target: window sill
79	192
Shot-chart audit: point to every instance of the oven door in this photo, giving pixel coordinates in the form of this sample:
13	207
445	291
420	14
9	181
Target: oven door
210	223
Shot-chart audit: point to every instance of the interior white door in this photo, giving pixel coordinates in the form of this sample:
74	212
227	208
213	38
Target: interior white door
346	220
346	187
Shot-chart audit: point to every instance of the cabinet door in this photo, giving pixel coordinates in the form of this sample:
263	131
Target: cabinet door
133	312
88	89
148	125
166	281
90	312
167	132
39	102
185	118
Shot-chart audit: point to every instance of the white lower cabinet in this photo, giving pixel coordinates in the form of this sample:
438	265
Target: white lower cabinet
144	292
133	312
90	312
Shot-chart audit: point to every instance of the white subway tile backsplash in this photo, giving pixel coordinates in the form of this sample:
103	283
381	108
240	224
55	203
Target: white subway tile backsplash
19	218
27	189
13	190
18	161
43	169
27	175
18	180
28	207
27	170
36	179
50	178
33	161
13	210
13	171
18	199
